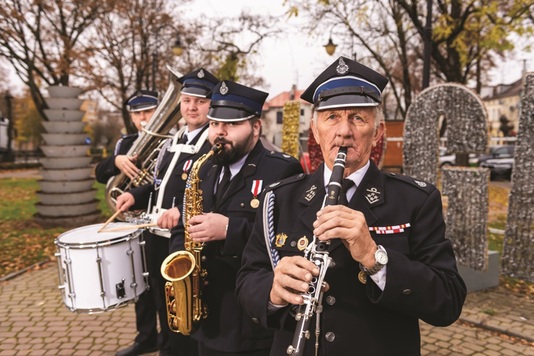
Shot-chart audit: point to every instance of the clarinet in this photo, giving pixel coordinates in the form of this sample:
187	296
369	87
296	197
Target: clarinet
317	252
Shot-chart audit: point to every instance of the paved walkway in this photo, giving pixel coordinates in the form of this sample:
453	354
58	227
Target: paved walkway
34	321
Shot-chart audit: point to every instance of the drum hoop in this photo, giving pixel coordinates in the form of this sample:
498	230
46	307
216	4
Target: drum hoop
103	243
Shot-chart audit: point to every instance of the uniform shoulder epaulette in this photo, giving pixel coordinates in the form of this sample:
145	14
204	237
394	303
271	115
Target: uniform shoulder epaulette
279	155
286	181
425	186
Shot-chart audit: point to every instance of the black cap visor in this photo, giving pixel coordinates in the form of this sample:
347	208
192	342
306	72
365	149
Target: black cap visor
142	107
196	91
347	97
231	112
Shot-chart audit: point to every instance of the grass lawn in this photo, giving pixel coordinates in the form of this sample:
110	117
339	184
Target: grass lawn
23	242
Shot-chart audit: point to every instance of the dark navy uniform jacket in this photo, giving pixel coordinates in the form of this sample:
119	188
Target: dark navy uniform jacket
227	327
106	168
422	281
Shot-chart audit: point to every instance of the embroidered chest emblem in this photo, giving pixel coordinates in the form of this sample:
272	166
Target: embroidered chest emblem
372	196
310	193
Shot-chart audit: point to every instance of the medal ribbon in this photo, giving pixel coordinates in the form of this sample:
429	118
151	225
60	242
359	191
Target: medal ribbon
256	187
187	165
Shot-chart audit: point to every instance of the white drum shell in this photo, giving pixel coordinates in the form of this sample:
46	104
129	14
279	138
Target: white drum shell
101	271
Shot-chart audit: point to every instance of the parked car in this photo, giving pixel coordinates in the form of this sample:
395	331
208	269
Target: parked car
504	151
500	168
449	159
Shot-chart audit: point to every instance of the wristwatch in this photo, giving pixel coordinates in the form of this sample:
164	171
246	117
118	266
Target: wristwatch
381	257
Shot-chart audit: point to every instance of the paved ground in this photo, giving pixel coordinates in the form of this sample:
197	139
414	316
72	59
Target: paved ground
35	321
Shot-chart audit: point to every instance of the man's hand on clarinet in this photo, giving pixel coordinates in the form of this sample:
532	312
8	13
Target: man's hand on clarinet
338	221
292	276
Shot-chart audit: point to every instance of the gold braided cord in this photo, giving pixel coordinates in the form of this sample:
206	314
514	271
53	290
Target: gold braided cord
290	128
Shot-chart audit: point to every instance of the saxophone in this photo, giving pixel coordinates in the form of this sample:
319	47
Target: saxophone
182	269
319	255
149	143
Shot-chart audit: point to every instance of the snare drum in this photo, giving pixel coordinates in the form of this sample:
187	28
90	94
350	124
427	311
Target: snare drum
101	271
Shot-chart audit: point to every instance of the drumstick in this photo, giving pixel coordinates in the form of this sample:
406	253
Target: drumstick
141	226
110	220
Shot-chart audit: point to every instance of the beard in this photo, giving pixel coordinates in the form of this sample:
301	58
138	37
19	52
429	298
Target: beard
233	154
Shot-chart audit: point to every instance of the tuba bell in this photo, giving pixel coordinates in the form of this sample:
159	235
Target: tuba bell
149	143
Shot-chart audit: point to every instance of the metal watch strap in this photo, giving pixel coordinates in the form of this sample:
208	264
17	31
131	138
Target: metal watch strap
375	269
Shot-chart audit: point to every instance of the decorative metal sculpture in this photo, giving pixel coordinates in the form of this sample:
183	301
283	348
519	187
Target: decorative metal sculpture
518	252
467	127
467	189
467	214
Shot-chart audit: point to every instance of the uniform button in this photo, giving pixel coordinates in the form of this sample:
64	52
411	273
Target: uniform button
293	243
407	292
242	204
330	336
330	300
255	320
332	264
204	258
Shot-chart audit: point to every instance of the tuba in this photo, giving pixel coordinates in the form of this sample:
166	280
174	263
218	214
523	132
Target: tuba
149	143
182	269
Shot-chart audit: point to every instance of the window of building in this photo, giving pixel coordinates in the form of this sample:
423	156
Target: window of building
279	117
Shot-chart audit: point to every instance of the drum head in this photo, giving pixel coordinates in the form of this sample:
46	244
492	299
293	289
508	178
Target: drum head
89	234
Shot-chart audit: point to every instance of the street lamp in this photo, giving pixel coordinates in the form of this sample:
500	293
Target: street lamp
330	47
177	47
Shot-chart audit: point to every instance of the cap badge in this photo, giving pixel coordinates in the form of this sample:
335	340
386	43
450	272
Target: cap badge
224	89
342	68
201	74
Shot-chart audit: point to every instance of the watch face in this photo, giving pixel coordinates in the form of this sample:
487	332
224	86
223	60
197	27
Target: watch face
381	257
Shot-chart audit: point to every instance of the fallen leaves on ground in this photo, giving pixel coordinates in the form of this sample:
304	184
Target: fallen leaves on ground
25	243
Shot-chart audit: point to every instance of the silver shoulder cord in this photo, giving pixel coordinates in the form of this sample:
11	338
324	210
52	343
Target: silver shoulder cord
268	228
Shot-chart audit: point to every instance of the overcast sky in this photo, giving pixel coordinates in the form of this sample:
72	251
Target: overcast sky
297	59
292	59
